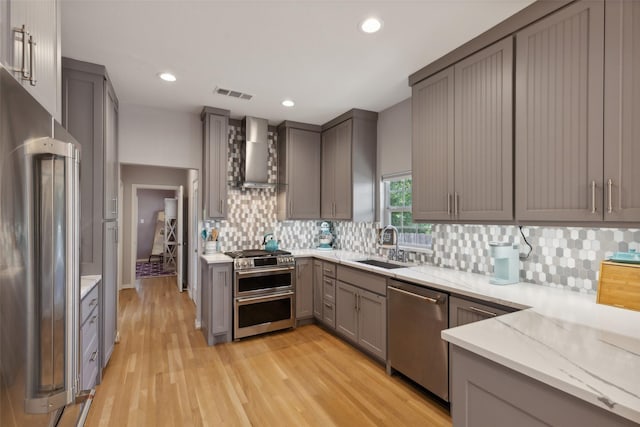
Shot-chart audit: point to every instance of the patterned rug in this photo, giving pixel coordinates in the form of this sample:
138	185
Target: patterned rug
151	269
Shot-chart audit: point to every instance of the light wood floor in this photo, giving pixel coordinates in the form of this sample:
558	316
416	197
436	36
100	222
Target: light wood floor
162	373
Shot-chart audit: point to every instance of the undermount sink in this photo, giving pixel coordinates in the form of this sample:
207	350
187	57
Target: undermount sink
382	264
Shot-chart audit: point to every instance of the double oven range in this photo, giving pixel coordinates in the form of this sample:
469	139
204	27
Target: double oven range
263	292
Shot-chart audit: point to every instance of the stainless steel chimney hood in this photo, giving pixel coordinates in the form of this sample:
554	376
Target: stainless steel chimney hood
256	153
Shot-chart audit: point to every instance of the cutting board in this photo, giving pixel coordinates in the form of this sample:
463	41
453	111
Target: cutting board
619	285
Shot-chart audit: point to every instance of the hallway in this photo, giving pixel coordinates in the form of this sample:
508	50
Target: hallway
162	373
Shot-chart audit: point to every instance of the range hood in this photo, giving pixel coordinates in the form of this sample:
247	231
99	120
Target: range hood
256	153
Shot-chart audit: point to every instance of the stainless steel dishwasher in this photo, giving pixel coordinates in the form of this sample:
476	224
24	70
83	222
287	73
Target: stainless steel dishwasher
417	315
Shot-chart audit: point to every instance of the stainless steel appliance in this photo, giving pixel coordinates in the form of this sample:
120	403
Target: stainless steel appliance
39	263
256	153
263	292
417	315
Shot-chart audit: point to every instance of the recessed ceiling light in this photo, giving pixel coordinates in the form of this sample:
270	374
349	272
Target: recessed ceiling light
288	103
167	77
371	25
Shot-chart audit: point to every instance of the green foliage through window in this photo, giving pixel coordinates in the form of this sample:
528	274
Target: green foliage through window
398	213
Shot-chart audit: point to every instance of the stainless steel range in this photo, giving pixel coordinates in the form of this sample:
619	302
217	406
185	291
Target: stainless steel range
263	292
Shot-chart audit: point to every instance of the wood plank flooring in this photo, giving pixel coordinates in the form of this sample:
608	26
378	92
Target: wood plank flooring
162	373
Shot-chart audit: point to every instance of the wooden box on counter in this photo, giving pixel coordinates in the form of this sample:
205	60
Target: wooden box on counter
619	285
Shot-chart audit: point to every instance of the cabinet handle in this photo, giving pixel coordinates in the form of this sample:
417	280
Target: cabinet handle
449	204
593	196
485	312
290	206
93	319
610	191
221	213
326	304
411	294
456	202
93	356
32	61
115	206
25	40
92	302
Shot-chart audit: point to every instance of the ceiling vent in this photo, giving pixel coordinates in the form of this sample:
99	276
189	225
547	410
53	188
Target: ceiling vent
232	93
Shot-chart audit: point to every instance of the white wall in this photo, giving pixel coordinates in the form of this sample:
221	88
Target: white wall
152	136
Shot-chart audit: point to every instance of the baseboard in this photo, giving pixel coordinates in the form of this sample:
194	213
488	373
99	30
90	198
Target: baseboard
143	260
127	286
198	324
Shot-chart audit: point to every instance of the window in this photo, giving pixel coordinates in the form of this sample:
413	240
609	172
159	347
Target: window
397	212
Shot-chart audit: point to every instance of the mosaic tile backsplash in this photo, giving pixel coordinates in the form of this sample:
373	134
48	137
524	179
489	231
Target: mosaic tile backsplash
561	257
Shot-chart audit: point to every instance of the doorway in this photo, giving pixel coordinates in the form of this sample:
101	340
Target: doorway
157	232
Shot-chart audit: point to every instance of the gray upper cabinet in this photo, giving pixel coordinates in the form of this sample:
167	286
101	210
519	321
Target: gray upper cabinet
483	183
304	288
215	123
33	56
299	150
348	174
432	110
111	166
462	151
622	111
559	116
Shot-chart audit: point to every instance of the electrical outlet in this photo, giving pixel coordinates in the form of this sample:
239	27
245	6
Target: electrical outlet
141	220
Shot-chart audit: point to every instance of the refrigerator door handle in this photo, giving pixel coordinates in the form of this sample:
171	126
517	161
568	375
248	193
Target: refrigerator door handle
54	296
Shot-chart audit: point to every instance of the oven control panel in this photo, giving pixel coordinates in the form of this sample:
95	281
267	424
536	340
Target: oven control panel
263	262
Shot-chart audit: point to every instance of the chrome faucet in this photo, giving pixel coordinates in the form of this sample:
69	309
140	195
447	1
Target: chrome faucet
393	253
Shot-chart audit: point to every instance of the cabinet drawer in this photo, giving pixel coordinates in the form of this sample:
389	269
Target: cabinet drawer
88	303
329	269
89	334
90	366
329	314
463	311
329	288
362	279
619	285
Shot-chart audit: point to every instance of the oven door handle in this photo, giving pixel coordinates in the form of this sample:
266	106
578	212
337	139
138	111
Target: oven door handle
265	270
265	297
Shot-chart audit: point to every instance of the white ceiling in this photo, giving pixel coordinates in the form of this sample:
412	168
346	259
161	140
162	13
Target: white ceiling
308	50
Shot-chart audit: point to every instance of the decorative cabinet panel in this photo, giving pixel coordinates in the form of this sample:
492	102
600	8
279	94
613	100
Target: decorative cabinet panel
30	48
214	168
324	292
89	339
109	288
348	171
317	289
622	111
462	140
304	288
372	323
216	302
559	116
299	150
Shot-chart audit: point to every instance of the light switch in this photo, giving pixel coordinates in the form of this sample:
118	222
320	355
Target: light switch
141	220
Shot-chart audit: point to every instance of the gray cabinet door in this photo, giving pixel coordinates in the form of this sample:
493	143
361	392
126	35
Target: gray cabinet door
83	117
205	300
342	191
303	174
483	134
559	116
109	288
304	288
432	155
317	289
372	323
346	311
328	171
622	111
215	165
463	311
220	299
111	165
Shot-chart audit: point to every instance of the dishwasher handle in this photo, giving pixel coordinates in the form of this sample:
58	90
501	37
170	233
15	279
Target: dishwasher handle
411	294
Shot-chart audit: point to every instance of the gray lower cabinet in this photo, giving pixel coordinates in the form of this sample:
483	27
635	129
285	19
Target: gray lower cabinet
488	394
559	116
216	301
361	310
621	111
109	289
462	139
89	339
348	167
304	288
463	311
317	290
298	171
215	125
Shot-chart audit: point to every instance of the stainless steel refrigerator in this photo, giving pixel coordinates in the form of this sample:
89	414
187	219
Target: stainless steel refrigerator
39	264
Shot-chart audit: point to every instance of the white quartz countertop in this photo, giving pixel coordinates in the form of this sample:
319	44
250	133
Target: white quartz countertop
216	258
561	338
87	283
